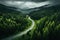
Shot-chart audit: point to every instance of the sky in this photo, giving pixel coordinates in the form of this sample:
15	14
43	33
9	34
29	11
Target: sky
24	0
28	4
25	5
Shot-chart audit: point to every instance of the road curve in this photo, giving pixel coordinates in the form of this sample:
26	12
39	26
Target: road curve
21	33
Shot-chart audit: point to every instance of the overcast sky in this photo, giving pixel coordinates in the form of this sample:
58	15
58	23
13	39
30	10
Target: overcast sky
27	4
24	0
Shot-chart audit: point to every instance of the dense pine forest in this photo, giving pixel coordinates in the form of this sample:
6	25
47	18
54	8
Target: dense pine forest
47	24
12	22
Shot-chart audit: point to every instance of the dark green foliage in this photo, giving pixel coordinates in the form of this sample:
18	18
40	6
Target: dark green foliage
36	15
7	9
47	25
47	29
12	23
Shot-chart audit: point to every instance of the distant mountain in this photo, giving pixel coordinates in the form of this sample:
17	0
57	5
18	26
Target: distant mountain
46	7
4	8
42	8
9	9
44	11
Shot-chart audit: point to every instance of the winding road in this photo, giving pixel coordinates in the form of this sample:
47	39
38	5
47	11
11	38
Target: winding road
21	33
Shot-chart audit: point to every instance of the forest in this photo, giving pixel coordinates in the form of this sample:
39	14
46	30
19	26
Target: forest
12	23
46	27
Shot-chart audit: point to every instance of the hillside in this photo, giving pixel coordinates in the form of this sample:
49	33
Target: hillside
45	11
12	22
47	25
4	8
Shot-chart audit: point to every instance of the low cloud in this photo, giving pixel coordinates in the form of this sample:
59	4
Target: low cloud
24	5
27	4
25	0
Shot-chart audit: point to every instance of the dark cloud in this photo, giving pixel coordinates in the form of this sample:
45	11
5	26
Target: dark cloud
55	1
27	4
36	0
24	0
33	0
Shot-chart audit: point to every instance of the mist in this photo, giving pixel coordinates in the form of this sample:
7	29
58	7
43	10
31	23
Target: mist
24	4
28	4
